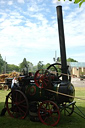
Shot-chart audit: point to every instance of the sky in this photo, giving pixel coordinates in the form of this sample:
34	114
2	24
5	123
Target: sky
29	29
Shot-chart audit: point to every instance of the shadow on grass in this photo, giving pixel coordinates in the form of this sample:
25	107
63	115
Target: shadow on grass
8	122
73	121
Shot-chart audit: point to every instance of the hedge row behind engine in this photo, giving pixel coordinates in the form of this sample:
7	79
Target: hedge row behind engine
39	96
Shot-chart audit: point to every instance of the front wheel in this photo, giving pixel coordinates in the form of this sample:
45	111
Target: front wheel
67	109
48	113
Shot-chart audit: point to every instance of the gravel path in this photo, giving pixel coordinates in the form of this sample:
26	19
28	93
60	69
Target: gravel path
77	82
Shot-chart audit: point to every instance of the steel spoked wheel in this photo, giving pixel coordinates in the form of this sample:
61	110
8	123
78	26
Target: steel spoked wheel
42	79
67	109
17	104
48	113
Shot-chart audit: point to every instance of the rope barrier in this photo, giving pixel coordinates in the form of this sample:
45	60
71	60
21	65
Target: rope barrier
65	94
66	74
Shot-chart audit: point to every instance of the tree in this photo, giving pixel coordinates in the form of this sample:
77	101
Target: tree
30	66
26	65
23	64
12	67
71	60
46	65
77	2
35	68
68	60
40	65
1	64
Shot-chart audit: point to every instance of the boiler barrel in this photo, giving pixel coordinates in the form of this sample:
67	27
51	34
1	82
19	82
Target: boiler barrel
34	93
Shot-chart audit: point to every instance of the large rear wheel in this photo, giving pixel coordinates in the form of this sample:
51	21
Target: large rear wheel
17	104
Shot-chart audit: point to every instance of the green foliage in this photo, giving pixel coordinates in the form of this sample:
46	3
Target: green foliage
68	60
46	65
77	2
40	65
71	60
26	63
35	68
12	67
1	64
30	66
23	64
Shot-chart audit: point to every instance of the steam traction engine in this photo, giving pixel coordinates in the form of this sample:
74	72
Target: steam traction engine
45	95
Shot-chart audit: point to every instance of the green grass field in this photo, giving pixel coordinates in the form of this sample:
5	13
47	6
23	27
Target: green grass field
73	121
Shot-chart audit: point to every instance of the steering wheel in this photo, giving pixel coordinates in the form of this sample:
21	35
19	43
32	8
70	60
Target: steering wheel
42	79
